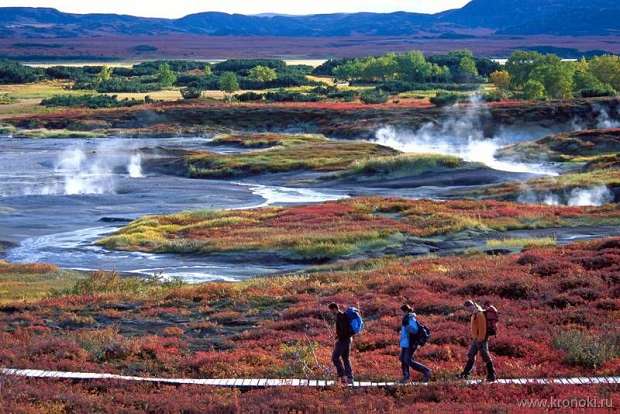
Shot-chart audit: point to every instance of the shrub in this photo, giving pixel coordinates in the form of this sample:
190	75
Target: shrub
89	101
495	96
6	99
191	92
588	351
347	96
116	84
534	90
604	90
445	99
250	97
284	96
112	282
514	290
14	72
399	86
374	96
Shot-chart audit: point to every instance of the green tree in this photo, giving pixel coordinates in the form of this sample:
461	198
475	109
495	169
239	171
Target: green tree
467	68
353	69
208	71
521	64
534	90
501	79
413	67
584	79
556	78
607	70
166	76
380	68
263	74
105	74
228	82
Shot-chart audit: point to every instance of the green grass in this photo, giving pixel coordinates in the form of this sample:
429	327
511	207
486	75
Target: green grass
106	283
587	350
33	282
609	177
402	165
55	133
266	140
521	242
290	153
279	153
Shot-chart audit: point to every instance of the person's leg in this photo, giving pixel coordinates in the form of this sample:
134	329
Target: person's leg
486	357
405	362
421	368
471	359
336	359
348	371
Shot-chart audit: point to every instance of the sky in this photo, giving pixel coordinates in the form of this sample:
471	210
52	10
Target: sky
179	8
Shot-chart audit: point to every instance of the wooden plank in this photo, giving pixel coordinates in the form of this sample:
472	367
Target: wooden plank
254	382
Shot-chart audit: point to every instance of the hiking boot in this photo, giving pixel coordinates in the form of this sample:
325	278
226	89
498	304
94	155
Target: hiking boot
491	372
467	370
405	380
427	377
348	381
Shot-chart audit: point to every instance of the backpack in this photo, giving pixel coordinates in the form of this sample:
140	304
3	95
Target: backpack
492	318
423	335
356	322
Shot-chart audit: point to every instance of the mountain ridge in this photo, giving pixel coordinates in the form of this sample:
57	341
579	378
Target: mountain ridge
504	17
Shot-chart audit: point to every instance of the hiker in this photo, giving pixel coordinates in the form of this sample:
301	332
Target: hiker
342	347
480	341
409	343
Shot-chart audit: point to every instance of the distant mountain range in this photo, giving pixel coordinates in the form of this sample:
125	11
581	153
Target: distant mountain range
504	17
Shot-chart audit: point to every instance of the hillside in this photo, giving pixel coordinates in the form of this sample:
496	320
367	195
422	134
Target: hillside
558	17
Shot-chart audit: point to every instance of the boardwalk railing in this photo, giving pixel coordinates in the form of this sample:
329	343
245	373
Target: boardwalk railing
264	382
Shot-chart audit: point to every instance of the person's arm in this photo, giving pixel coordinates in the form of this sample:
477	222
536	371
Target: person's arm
412	326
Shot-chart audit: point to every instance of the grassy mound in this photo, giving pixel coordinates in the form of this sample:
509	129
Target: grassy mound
272	153
265	140
405	165
32	281
281	154
578	146
338	229
560	185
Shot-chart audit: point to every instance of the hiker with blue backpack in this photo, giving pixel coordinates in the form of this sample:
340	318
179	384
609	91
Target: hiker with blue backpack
413	335
348	323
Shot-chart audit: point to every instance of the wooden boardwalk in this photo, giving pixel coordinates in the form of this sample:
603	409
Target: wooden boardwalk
264	382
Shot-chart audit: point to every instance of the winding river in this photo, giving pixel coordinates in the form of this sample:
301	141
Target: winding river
57	196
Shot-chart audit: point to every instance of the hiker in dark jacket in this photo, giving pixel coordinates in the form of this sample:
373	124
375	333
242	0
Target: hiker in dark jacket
342	347
480	341
408	346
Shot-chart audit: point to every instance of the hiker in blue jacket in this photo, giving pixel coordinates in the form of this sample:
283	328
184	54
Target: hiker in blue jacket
342	347
408	345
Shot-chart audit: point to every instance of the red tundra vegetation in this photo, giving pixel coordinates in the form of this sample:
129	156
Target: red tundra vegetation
558	308
342	228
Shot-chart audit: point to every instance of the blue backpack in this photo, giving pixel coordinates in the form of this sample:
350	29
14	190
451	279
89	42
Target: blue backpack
355	320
